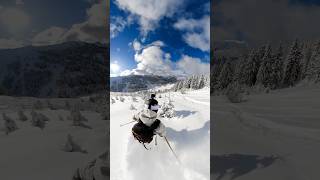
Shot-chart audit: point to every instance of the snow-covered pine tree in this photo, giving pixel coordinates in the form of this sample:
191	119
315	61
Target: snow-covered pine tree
306	56
226	75
215	73
76	117
292	72
180	85
194	82
36	120
251	68
313	70
167	109
201	82
237	76
132	107
265	68
9	124
22	116
276	73
72	146
207	80
187	83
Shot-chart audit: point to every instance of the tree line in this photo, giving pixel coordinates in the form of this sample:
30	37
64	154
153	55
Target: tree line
193	82
268	67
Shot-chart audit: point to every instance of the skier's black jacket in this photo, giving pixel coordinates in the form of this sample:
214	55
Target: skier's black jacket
152	102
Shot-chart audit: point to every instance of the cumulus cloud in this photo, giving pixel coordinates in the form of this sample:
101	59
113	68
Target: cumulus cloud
149	12
94	29
196	32
153	60
259	21
192	65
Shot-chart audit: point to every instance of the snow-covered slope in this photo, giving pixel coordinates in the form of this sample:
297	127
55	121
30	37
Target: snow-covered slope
188	132
34	153
69	69
270	136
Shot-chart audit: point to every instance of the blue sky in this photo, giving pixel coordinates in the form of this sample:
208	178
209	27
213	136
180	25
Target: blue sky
149	35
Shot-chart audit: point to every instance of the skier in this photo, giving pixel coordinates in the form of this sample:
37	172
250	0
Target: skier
153	103
148	125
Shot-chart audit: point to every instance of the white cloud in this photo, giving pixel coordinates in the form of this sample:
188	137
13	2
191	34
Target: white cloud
152	60
191	65
116	26
10	44
149	12
94	29
136	45
50	36
126	72
196	32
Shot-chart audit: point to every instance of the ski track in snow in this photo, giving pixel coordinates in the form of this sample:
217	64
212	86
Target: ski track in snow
188	134
268	125
196	101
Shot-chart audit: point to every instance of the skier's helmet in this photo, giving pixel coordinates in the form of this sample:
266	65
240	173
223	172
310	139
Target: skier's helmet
153	95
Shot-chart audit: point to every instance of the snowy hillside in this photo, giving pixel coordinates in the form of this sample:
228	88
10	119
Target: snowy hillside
188	132
134	83
51	140
70	69
269	136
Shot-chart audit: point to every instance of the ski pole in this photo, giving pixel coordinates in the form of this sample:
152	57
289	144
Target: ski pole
127	123
175	155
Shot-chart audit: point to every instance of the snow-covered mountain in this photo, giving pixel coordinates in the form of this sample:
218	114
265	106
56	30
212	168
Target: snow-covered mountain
134	83
65	70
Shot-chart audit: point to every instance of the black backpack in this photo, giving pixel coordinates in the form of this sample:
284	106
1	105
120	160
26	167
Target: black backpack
144	133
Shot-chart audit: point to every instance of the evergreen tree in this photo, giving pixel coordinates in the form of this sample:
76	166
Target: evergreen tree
194	82
215	73
306	56
201	82
225	76
292	72
238	72
264	73
250	69
313	70
277	68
